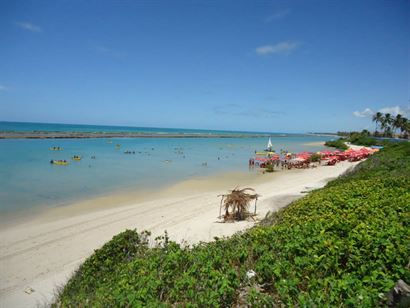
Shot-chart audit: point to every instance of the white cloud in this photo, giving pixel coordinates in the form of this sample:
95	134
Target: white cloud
28	26
395	110
279	48
363	114
277	15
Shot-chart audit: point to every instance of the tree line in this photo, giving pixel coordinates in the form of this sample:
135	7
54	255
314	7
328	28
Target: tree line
391	125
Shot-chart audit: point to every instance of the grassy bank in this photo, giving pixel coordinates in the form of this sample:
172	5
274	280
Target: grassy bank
339	144
343	245
358	138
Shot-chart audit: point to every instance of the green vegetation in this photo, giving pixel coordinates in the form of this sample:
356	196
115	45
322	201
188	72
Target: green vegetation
391	162
358	138
397	126
364	138
391	124
339	144
269	167
315	158
341	246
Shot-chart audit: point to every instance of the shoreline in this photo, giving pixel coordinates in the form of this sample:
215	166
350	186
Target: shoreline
132	195
31	253
315	143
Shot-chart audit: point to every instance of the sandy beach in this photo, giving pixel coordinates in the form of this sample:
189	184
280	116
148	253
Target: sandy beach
312	144
41	254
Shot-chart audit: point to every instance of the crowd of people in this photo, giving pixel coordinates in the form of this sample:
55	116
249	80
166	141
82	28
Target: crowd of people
303	160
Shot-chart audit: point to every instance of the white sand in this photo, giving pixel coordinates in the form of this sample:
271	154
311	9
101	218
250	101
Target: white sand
315	144
42	254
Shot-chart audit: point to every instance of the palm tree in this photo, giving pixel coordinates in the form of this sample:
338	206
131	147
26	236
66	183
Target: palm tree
377	119
405	127
386	123
365	132
397	122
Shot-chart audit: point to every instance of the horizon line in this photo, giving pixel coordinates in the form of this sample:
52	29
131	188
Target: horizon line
155	127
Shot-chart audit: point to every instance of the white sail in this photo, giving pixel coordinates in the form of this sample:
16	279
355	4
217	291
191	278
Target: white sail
269	144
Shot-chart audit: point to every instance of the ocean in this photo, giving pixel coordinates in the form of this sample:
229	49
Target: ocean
55	127
29	181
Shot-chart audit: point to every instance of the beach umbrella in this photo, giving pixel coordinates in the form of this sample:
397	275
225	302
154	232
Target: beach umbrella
365	150
332	158
274	157
305	154
325	153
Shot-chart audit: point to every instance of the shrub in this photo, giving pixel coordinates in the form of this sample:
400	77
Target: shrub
339	144
365	140
314	158
269	167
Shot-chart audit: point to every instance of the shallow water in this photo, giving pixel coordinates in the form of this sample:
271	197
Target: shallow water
28	180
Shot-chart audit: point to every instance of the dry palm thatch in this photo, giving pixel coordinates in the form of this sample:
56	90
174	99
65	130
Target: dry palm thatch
236	204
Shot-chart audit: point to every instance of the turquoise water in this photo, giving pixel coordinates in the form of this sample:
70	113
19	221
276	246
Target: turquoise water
28	180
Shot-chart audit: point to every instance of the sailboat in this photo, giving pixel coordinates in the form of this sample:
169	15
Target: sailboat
268	151
269	147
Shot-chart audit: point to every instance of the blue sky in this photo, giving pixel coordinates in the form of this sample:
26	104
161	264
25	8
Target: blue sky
283	66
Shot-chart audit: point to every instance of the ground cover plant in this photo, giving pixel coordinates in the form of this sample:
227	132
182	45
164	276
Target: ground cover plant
341	246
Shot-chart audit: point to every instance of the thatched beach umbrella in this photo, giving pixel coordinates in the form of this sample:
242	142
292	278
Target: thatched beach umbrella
236	204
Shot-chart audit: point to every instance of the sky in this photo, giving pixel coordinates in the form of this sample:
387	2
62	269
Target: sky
275	66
